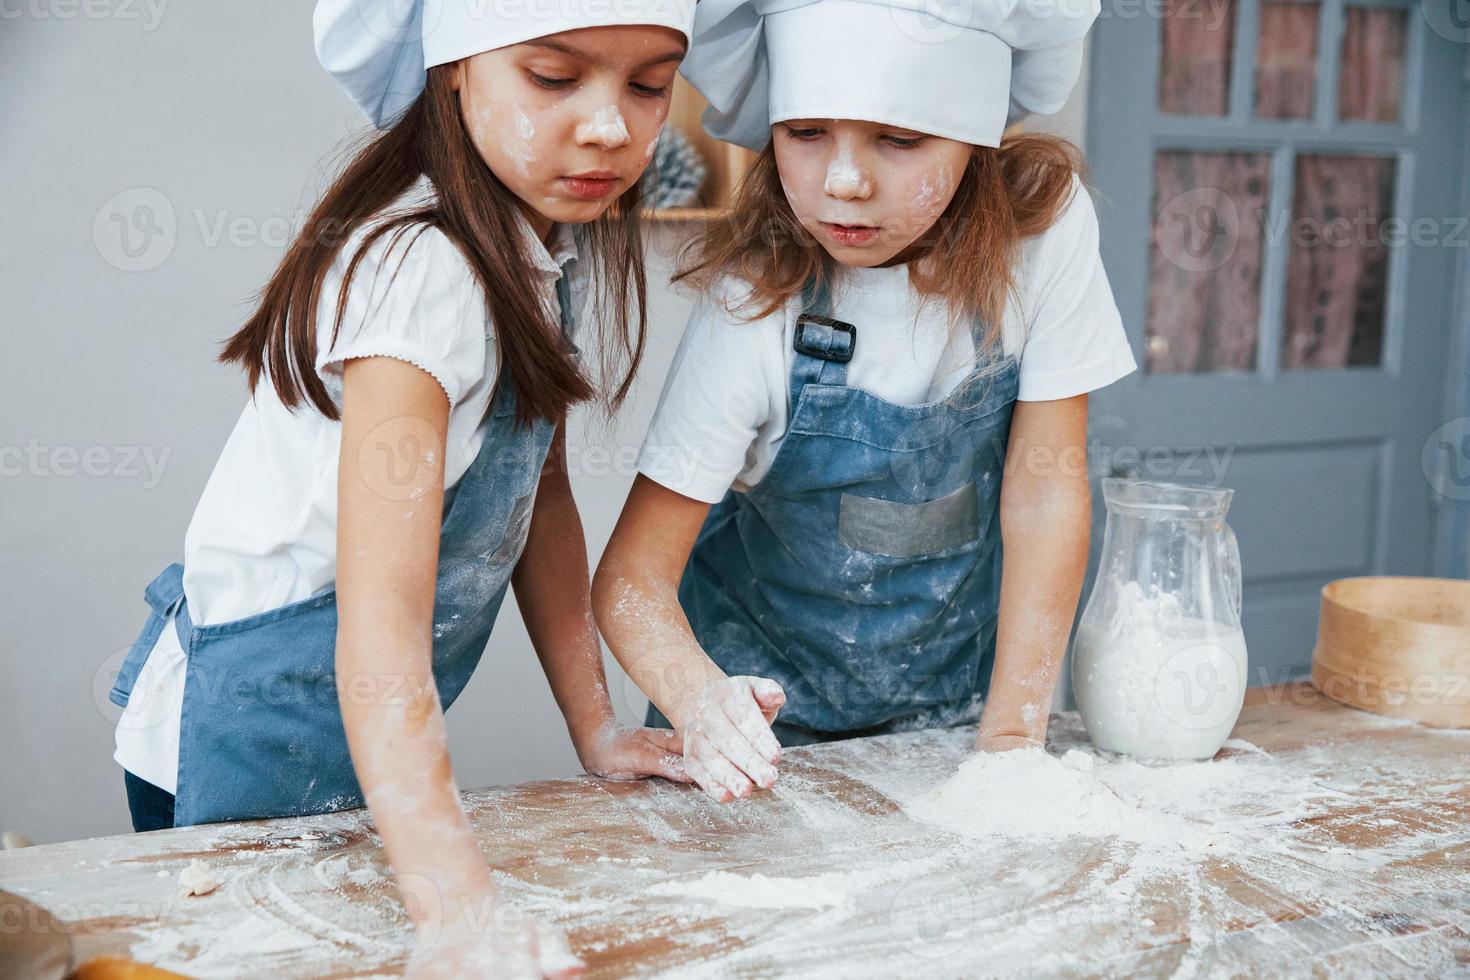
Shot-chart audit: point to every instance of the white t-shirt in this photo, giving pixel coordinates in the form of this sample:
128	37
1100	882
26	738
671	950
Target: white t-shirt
723	412
265	531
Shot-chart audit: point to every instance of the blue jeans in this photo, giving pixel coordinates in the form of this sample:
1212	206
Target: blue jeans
151	807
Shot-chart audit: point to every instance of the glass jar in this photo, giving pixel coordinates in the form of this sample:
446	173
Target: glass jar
1159	661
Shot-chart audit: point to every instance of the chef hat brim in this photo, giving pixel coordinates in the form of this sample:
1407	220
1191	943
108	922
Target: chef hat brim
379	50
963	73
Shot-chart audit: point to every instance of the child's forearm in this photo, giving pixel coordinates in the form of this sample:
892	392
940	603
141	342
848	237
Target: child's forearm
395	729
639	612
387	556
552	588
636	598
724	722
1045	543
554	594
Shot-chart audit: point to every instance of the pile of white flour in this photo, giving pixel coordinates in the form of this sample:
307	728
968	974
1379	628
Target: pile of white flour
1031	793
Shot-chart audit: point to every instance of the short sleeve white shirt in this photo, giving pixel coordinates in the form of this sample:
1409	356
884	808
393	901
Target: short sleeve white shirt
724	409
264	533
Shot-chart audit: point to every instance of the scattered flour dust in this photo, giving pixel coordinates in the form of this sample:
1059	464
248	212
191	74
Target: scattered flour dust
827	890
1170	817
1031	793
757	891
290	896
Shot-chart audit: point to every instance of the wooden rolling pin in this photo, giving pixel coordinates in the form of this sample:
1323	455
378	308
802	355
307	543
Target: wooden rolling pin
117	968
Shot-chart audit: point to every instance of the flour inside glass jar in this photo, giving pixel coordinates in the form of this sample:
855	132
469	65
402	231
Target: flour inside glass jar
1152	681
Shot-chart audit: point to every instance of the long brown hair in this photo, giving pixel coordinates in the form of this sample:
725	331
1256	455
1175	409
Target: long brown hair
479	214
967	258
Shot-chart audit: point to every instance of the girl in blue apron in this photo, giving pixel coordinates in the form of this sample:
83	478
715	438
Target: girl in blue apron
402	459
882	386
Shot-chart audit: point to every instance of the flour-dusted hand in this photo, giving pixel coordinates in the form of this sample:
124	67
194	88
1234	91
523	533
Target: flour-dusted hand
496	941
728	745
618	752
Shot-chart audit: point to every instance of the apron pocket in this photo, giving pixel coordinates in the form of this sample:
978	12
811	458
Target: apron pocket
900	530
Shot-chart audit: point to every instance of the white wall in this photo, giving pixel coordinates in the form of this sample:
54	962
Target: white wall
218	113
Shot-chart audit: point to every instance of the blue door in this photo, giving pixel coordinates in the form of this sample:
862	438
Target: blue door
1281	190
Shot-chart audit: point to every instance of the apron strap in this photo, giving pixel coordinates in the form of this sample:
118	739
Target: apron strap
823	345
568	315
183	625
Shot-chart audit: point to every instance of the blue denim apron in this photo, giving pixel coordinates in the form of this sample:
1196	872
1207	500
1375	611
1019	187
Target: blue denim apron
262	734
863	571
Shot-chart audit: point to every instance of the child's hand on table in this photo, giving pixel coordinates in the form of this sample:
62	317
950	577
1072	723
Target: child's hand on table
728	745
619	752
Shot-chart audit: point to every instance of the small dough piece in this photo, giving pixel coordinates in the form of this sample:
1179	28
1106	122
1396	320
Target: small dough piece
196	879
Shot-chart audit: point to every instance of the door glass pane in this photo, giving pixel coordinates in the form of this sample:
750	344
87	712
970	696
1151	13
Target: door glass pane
1194	59
1286	60
1205	261
1337	269
1371	78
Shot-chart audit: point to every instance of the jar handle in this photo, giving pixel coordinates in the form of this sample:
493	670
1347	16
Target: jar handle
1233	573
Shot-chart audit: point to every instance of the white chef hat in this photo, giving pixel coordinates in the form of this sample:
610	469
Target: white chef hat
378	50
961	69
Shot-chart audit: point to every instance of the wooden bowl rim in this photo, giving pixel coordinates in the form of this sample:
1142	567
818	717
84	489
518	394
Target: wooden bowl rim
1451	715
1332	596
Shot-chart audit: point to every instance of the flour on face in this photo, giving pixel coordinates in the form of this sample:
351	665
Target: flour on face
843	176
608	126
520	148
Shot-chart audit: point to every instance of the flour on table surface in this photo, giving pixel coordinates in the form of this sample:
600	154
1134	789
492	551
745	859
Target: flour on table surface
756	891
1342	846
1029	793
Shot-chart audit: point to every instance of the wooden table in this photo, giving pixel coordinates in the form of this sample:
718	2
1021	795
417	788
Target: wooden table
1363	866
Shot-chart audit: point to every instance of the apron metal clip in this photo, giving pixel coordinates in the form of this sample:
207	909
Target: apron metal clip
825	338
